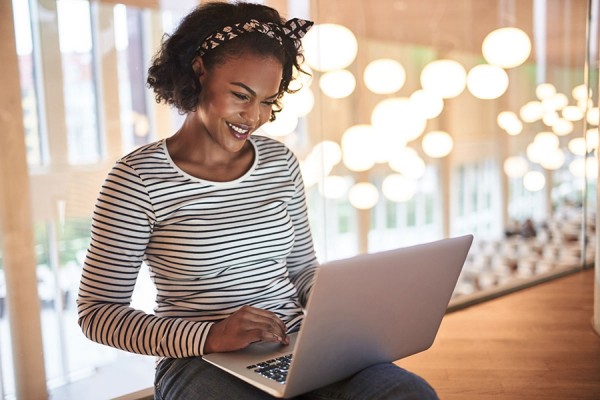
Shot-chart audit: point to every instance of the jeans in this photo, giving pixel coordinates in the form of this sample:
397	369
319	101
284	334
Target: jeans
194	378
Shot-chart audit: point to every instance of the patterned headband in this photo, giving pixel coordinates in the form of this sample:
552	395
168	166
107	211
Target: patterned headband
294	29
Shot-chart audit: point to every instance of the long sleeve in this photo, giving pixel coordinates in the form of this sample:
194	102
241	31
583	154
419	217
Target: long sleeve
122	223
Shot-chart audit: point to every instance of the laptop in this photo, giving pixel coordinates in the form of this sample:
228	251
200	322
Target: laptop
364	310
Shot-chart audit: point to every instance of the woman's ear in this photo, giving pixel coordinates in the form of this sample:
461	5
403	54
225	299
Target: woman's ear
198	66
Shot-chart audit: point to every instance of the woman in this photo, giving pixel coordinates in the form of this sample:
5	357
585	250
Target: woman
218	215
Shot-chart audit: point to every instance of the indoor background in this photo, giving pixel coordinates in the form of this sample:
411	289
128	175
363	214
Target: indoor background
421	119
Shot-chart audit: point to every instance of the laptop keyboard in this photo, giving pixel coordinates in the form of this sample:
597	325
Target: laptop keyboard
276	368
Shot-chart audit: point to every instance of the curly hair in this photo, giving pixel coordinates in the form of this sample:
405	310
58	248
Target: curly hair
171	75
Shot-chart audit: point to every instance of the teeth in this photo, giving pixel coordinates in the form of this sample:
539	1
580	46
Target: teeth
239	130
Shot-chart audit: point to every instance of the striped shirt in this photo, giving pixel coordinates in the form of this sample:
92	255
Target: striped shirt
211	247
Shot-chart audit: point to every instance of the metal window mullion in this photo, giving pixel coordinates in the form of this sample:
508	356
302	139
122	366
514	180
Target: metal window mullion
38	82
99	115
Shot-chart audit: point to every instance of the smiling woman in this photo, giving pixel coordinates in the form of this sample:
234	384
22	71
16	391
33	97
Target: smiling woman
85	103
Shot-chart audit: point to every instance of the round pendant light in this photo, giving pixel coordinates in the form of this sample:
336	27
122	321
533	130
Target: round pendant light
327	152
572	113
363	195
285	124
334	187
358	150
545	91
516	166
437	144
532	111
300	102
408	163
577	146
593	116
580	93
506	47
486	81
547	140
398	188
426	104
562	127
509	121
329	47
446	78
337	84
388	113
592	138
553	160
384	76
534	181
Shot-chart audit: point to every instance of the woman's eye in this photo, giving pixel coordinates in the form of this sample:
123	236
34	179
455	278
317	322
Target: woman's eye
240	96
269	103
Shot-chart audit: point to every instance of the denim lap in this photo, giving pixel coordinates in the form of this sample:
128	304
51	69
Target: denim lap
194	378
384	381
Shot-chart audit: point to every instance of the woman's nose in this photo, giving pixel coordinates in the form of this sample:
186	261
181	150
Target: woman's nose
251	113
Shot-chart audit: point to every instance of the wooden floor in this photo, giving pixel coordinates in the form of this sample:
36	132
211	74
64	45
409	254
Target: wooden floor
533	344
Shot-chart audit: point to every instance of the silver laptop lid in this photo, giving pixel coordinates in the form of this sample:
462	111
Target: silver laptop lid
375	308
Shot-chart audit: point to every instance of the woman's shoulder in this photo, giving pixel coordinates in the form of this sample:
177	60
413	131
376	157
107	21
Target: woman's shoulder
261	140
267	145
145	153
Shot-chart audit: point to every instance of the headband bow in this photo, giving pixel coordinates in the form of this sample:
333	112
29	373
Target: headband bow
294	29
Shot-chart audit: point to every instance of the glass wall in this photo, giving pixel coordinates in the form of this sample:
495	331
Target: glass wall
85	104
418	122
441	119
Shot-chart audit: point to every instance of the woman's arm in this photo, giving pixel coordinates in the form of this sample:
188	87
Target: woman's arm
122	223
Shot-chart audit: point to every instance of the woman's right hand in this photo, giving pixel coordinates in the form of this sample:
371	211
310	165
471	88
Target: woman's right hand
245	326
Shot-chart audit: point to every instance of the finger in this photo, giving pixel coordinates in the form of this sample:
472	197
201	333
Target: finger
267	317
270	326
266	329
261	335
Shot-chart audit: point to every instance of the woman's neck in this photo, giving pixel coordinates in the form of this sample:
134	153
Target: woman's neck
194	151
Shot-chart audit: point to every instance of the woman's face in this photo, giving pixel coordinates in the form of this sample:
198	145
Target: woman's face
237	97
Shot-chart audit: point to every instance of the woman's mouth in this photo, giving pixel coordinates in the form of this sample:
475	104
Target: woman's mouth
239	131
